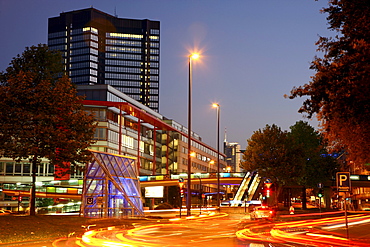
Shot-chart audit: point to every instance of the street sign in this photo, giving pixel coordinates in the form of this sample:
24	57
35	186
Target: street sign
90	200
268	185
181	182
344	185
343	181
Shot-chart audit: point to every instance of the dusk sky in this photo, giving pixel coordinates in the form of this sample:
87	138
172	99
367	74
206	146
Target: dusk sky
252	53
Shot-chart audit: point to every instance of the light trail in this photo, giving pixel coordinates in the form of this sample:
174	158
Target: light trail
361	220
306	232
140	236
181	232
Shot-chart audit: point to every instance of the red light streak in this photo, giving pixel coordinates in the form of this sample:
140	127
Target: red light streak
304	232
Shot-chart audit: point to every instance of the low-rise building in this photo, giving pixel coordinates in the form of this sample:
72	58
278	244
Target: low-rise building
125	127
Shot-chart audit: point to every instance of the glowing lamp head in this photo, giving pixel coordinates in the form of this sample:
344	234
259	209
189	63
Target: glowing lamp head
194	56
215	105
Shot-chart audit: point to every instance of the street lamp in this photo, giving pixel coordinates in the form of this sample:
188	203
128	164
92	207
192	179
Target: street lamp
217	106
188	201
212	162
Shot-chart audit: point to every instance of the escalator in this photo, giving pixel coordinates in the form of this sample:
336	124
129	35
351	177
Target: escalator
253	187
247	189
241	190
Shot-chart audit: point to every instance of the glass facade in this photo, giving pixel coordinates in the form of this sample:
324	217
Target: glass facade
102	49
111	187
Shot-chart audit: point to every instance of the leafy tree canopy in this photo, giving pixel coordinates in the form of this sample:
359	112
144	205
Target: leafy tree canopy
297	157
41	115
267	153
315	165
339	91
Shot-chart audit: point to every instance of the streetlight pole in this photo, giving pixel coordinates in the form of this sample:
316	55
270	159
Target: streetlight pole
200	194
188	197
218	155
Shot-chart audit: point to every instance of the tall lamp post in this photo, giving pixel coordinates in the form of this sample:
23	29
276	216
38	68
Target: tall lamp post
188	198
217	106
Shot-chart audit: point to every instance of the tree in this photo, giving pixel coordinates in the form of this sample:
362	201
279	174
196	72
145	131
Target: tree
268	152
315	165
292	158
339	91
41	115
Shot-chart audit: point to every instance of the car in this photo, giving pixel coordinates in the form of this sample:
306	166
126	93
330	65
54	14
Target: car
262	212
226	203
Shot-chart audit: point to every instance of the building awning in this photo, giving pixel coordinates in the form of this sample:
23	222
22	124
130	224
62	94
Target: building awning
134	111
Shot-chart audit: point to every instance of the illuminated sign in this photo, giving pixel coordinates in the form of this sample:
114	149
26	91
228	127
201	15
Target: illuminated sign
154	192
343	181
90	200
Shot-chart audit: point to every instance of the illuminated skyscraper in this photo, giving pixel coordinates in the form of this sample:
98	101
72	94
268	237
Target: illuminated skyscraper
99	48
233	153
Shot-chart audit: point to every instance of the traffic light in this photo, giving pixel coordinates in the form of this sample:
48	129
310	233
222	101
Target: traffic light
182	192
19	198
268	191
200	195
320	193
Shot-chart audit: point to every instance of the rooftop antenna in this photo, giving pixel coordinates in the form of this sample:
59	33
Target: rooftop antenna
115	11
225	134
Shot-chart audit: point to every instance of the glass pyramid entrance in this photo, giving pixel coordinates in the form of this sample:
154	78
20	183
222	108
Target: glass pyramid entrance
111	187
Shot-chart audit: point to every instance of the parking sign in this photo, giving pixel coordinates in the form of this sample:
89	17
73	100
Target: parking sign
343	181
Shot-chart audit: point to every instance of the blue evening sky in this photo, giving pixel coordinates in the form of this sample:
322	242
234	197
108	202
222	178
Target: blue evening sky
252	53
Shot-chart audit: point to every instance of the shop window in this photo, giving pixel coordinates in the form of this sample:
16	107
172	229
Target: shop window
9	169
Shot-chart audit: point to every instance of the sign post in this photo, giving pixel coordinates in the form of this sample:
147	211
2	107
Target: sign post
181	184
19	199
344	185
343	181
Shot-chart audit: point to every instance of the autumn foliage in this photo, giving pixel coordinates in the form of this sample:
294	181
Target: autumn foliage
41	116
339	91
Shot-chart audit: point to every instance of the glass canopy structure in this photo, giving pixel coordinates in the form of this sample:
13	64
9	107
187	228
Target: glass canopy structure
111	187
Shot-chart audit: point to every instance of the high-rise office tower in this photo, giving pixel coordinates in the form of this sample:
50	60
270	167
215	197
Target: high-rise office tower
99	48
